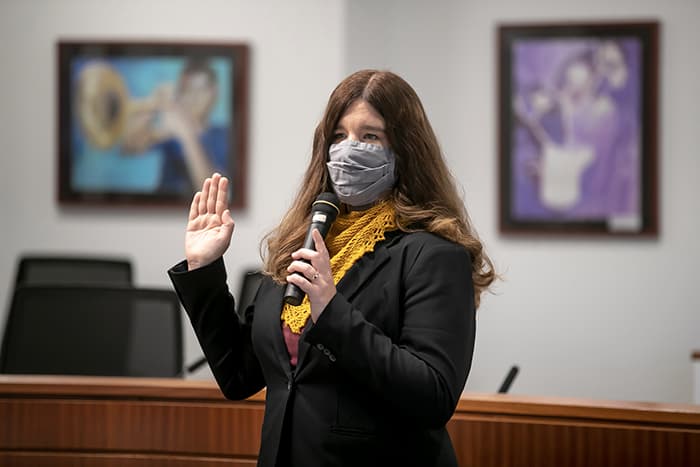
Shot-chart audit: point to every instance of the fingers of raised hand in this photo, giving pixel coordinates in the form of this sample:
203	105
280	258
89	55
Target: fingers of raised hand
194	207
213	199
222	196
212	194
202	207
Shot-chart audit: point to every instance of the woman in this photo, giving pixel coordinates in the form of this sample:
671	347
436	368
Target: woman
369	368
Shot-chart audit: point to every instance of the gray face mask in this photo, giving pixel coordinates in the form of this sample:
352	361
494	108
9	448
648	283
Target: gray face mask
360	172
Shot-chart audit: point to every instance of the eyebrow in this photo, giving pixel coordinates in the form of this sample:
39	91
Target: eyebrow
366	127
372	128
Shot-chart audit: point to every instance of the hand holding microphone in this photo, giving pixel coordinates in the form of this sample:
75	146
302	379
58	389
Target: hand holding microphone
311	269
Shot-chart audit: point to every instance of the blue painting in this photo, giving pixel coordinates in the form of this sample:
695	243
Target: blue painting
149	122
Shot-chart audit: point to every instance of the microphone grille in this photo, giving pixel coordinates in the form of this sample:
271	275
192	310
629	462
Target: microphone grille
327	203
328	198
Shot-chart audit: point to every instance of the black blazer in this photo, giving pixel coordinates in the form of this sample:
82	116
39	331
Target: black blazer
378	375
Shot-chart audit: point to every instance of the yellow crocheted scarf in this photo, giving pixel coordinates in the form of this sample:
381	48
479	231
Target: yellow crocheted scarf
352	235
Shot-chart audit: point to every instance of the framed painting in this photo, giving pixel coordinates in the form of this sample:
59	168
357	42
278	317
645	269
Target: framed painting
578	106
144	123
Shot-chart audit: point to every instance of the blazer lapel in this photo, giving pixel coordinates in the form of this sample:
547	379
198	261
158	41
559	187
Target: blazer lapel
352	282
361	271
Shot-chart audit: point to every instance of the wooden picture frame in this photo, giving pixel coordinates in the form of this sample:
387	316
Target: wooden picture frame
142	123
578	105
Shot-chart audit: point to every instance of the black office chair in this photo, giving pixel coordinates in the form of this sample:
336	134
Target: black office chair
46	269
93	330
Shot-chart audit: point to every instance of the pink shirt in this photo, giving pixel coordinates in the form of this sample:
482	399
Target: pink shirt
292	342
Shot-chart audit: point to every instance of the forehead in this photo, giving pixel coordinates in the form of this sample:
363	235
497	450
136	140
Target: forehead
361	112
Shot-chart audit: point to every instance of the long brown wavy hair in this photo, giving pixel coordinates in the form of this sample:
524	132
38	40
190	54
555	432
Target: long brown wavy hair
425	195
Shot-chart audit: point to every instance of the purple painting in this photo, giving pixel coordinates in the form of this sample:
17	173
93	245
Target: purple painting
576	138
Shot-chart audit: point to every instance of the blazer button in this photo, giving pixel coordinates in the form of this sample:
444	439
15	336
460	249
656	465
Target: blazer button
326	352
331	358
319	346
289	385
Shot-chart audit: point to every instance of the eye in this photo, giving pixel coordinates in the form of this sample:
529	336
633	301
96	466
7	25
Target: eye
338	136
371	137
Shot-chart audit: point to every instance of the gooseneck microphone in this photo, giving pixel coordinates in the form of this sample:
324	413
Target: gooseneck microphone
323	212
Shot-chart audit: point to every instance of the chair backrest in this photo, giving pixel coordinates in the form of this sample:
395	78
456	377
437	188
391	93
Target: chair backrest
250	283
93	330
36	269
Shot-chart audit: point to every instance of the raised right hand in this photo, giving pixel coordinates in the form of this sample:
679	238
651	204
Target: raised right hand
210	224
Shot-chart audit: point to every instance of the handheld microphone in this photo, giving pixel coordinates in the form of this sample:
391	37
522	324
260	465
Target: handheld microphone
323	212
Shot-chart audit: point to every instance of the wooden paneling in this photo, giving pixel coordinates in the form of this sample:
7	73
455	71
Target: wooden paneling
152	426
501	430
98	422
58	459
86	422
503	442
